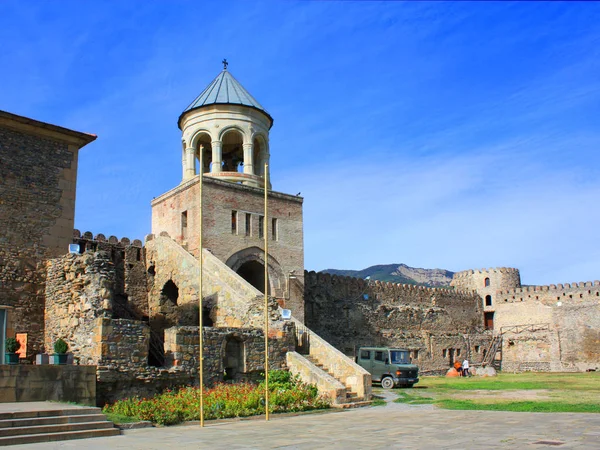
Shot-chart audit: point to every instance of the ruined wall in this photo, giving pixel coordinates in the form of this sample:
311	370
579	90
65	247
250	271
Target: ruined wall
550	328
437	325
79	289
129	260
233	246
38	173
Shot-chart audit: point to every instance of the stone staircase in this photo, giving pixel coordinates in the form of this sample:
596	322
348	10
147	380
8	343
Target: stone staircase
352	399
26	427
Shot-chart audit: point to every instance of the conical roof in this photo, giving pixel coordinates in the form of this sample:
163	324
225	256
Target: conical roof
225	90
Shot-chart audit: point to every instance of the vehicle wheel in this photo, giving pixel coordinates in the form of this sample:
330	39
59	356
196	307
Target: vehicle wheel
387	383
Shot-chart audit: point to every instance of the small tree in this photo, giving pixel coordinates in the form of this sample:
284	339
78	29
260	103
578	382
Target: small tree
60	347
12	345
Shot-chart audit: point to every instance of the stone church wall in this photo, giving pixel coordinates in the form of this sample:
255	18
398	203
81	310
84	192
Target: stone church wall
234	246
438	326
38	173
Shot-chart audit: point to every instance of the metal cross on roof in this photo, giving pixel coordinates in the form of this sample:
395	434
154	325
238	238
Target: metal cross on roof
225	63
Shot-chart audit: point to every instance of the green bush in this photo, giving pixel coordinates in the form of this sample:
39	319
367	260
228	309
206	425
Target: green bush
12	345
60	346
286	393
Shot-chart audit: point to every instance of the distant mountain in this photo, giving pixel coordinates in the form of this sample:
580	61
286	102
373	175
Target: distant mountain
400	273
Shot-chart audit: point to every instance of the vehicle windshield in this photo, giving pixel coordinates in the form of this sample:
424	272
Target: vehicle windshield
399	357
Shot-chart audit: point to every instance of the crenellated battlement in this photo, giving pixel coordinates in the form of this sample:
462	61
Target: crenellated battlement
490	271
360	283
112	240
583	287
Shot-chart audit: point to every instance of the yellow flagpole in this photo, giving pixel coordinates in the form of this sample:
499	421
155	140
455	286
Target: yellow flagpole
200	318
266	236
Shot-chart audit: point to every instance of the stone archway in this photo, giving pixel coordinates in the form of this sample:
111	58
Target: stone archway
249	264
254	273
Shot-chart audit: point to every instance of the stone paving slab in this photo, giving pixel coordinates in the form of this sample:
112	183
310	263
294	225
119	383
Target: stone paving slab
375	427
37	406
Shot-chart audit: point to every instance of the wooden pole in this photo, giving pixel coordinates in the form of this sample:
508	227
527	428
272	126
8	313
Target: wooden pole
266	236
200	306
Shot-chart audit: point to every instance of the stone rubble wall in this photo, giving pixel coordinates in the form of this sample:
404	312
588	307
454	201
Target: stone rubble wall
131	280
436	325
37	204
182	350
79	290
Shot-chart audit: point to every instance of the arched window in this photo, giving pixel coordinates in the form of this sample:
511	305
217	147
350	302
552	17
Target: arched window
488	300
486	282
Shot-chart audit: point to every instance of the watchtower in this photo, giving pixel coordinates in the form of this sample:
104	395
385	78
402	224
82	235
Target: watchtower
486	283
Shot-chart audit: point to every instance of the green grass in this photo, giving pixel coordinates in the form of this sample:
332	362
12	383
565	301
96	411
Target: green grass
413	399
528	392
528	406
378	402
119	418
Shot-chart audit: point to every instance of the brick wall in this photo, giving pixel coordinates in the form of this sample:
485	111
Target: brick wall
234	248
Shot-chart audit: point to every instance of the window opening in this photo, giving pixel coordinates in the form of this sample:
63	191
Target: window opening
379	356
274	229
488	300
184	225
261	227
365	354
486	282
233	222
248	224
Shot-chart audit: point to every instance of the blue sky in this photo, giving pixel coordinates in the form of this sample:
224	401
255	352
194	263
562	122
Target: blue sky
454	135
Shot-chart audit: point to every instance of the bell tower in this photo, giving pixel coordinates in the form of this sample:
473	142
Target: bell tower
226	131
225	137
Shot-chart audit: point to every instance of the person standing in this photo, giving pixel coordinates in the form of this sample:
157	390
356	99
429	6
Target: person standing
465	368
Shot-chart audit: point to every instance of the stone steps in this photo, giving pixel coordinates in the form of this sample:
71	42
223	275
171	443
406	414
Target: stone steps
26	427
352	399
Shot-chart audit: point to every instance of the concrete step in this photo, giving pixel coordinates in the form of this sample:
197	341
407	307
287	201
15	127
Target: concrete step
33	421
49	413
63	436
55	428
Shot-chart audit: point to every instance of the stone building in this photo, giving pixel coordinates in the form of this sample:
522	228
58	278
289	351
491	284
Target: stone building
38	176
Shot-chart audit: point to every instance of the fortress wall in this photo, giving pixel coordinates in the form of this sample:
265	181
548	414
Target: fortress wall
129	260
571	339
427	321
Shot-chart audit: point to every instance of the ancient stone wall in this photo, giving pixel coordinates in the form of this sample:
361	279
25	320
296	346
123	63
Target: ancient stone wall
555	328
487	282
79	289
38	173
176	212
438	326
129	260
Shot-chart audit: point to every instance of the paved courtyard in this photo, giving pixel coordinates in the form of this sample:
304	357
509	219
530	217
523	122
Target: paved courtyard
392	426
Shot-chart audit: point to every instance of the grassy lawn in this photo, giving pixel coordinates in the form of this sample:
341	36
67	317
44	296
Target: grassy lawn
527	392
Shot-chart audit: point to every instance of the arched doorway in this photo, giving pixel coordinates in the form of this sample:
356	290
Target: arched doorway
233	358
254	273
249	264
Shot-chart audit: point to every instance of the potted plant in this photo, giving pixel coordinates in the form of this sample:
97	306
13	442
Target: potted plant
60	351
12	346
